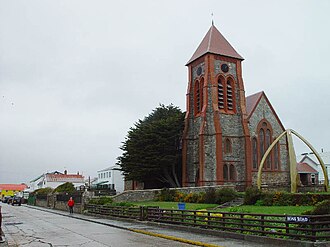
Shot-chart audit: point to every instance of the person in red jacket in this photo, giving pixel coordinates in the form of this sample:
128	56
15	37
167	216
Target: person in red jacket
71	204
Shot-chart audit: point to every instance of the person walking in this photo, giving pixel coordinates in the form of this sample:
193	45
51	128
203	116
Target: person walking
71	204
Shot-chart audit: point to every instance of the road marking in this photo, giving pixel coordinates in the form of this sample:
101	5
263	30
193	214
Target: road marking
187	241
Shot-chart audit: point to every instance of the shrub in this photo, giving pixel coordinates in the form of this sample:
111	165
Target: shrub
210	196
198	197
43	191
179	196
66	187
225	195
252	195
320	208
188	198
266	199
121	204
101	200
282	199
166	195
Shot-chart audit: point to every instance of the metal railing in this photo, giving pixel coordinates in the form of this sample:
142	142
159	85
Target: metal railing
311	228
122	212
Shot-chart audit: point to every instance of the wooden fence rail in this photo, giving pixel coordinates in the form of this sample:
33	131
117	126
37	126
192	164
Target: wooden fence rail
311	227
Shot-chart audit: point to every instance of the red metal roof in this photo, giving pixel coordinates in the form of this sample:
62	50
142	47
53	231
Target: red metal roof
214	42
64	178
252	101
19	187
305	168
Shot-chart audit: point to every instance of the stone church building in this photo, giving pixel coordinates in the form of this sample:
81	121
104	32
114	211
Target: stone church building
226	133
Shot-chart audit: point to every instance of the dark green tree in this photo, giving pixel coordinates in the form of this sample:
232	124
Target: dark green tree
152	148
66	187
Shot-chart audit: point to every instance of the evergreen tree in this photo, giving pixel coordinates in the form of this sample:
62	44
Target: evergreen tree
151	150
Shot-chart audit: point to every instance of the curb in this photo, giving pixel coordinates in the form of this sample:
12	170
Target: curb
182	240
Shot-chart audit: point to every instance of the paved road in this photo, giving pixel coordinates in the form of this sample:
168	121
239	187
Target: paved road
24	226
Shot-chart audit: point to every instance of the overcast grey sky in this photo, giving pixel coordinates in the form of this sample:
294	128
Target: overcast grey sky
75	75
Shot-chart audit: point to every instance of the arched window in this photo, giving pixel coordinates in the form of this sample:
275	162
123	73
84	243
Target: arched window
277	156
261	143
221	94
201	84
225	172
226	94
228	148
264	141
230	101
268	141
232	173
197	97
254	153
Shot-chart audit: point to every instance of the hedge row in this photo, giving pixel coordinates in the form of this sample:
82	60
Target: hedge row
212	195
253	196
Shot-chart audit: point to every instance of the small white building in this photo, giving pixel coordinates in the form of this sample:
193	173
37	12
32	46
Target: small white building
55	179
110	178
310	159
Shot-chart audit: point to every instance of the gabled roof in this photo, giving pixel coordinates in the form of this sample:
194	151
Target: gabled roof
308	159
305	168
43	175
109	168
252	102
325	156
73	178
214	42
19	187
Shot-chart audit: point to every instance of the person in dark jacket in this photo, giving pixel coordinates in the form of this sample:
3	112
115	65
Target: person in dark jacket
71	204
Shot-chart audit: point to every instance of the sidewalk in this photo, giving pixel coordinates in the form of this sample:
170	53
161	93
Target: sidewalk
194	236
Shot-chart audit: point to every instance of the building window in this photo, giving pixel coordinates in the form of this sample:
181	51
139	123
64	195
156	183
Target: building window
226	94
268	141
230	101
261	143
228	148
201	84
277	156
197	97
232	173
264	141
225	172
313	178
221	94
255	153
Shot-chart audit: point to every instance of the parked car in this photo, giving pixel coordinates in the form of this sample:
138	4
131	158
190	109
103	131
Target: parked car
16	200
5	199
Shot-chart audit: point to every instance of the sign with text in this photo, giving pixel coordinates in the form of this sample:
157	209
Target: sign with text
297	219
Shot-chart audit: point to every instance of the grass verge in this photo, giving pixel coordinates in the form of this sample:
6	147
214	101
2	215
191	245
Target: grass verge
174	205
290	210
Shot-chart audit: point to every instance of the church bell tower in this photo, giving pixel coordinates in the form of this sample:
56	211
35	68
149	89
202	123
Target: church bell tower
216	141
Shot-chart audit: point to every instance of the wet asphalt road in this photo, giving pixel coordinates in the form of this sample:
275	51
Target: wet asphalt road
24	226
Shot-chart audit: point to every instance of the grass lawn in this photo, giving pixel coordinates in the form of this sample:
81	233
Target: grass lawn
174	205
291	210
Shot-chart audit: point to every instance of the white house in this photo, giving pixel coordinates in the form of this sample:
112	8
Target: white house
111	179
55	179
310	159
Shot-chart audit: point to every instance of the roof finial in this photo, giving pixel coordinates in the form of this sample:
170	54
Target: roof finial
212	19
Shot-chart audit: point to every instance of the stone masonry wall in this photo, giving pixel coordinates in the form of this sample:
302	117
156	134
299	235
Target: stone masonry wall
263	111
149	195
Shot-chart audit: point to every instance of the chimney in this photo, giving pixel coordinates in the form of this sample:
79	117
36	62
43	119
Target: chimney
65	172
